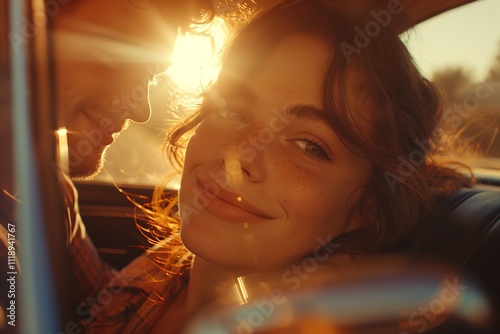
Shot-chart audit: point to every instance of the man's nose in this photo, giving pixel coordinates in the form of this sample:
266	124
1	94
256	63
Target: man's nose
139	106
141	113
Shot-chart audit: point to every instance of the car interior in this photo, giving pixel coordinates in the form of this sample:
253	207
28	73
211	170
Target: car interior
464	240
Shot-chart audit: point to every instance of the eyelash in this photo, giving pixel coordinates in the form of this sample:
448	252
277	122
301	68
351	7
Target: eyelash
325	152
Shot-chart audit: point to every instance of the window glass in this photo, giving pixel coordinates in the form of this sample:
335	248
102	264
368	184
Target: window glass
460	52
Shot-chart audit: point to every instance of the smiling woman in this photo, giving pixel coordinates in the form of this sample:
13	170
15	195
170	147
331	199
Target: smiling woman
319	177
292	176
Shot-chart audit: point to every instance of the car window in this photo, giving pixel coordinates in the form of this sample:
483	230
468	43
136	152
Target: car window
458	50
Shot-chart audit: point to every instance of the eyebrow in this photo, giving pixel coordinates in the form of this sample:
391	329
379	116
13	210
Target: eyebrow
304	111
307	111
239	89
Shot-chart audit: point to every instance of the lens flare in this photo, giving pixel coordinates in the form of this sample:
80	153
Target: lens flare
195	61
233	167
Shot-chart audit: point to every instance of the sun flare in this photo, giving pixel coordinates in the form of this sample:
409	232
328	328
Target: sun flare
195	61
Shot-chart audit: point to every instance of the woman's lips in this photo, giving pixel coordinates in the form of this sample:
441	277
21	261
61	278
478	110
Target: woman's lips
229	206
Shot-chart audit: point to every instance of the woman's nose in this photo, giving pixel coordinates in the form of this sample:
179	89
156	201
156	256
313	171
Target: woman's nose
241	165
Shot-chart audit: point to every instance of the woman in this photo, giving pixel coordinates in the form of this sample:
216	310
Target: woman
310	138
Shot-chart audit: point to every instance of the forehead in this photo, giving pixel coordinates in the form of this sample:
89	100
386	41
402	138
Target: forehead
292	73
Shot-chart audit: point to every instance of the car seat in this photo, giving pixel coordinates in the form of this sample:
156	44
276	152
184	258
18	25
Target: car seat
466	235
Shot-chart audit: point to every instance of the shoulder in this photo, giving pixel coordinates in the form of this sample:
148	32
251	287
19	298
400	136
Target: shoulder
135	297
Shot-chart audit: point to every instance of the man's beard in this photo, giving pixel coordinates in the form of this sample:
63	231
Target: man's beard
82	172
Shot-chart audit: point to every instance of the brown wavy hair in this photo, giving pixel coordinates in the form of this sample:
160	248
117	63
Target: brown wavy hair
407	182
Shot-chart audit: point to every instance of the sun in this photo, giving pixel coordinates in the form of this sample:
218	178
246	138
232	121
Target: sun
196	58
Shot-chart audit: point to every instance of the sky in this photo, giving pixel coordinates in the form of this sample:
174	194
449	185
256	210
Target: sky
468	36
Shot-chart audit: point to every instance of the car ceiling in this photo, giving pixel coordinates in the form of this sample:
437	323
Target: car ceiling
421	10
417	10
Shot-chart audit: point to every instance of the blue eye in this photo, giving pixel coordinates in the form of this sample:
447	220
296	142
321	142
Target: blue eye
313	149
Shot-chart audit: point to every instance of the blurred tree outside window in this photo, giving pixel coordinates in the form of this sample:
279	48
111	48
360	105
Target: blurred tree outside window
459	51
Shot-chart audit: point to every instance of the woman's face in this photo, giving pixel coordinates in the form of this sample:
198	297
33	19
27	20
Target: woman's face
266	180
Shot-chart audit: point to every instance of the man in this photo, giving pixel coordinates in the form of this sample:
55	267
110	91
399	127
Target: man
105	54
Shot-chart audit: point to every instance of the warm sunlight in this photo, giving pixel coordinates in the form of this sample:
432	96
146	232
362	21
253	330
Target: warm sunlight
196	59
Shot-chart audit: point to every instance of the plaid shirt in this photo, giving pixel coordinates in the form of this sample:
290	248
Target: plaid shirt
126	301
